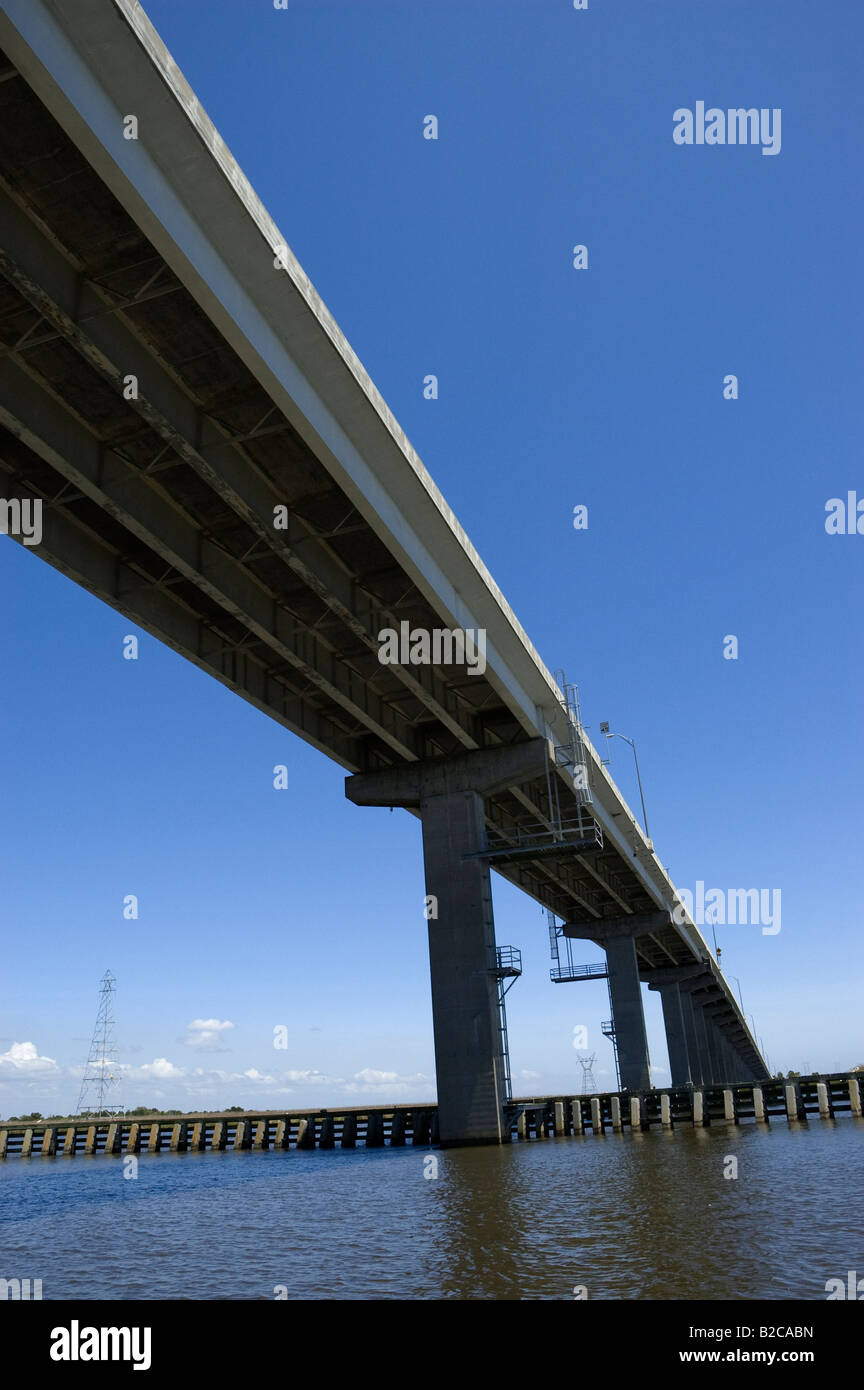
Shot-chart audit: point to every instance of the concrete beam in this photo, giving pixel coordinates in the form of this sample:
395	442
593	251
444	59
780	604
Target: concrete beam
486	771
637	924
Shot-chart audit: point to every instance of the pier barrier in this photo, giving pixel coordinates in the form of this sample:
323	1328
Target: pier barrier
823	1099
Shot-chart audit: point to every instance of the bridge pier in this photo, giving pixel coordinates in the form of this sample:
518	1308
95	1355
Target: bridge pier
695	1053
630	1037
618	939
449	794
676	1036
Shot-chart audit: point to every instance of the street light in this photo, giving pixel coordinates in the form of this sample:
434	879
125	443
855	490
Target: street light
604	729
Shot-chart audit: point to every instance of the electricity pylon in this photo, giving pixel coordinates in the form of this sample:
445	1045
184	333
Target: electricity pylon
100	1085
588	1082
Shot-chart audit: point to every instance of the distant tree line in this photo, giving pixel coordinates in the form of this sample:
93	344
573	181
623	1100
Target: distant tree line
137	1113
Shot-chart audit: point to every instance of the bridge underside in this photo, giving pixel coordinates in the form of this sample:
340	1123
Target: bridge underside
162	457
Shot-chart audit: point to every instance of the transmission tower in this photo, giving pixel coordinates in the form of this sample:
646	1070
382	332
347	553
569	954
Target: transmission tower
100	1085
588	1082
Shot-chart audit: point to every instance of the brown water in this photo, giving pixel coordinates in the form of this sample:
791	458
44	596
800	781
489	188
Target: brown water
644	1216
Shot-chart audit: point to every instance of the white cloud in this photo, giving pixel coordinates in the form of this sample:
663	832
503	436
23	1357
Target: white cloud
161	1068
311	1077
206	1033
530	1075
375	1078
371	1081
23	1059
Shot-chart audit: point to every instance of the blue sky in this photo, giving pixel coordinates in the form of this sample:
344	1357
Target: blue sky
604	387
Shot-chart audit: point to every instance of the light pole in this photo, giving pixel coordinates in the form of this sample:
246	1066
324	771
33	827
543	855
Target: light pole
604	729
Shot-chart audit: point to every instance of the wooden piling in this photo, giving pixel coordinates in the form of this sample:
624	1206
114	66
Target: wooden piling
327	1137
306	1133
826	1108
374	1130
349	1132
794	1104
420	1127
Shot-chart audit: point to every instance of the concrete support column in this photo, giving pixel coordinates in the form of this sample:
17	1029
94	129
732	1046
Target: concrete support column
722	1054
676	1036
695	1051
730	1066
468	1048
627	1012
709	1037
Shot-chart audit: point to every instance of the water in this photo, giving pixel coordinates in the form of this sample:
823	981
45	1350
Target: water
644	1216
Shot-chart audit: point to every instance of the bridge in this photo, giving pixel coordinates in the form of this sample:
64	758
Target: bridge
213	462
